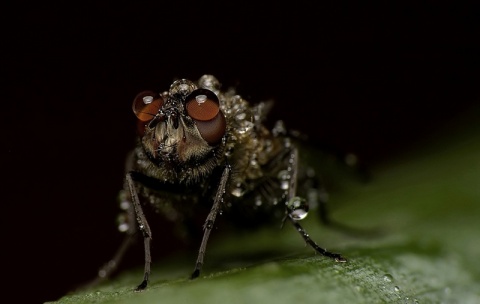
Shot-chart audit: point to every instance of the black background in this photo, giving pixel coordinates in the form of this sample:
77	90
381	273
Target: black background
369	79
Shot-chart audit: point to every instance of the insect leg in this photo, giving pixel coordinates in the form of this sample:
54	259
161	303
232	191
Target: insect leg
144	228
292	168
111	266
207	227
309	241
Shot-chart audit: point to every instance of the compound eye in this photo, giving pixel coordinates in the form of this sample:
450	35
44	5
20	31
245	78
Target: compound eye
146	105
212	130
202	105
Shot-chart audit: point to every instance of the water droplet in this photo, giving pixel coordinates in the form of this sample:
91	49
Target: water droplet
238	191
245	128
299	214
388	278
258	200
284	177
123	227
298	208
124	205
182	87
396	288
209	82
241	116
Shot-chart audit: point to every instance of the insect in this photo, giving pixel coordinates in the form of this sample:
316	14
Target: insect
201	146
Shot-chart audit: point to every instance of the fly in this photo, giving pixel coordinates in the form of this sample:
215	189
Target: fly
201	146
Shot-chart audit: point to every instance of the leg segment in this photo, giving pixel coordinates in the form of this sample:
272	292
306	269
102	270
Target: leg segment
144	228
291	213
309	241
210	221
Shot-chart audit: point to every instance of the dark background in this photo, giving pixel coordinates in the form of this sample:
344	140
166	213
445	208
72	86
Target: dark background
373	80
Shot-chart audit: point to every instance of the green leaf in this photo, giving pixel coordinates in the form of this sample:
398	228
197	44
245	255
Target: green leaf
423	206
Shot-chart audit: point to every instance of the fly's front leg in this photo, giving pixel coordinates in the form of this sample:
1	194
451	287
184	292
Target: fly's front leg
207	227
297	208
144	228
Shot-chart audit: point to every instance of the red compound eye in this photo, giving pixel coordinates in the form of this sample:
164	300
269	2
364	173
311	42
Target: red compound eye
203	107
212	130
146	105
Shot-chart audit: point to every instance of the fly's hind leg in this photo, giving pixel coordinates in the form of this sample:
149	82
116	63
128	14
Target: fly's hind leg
128	226
336	256
109	268
297	208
